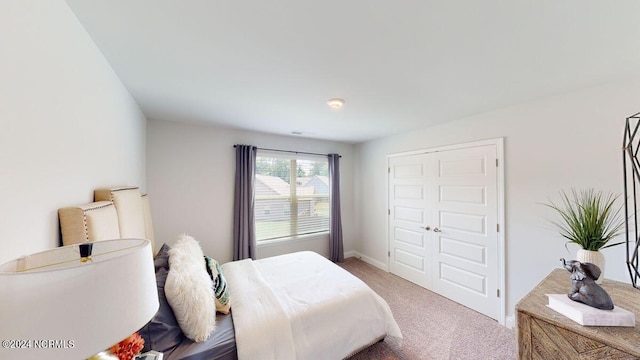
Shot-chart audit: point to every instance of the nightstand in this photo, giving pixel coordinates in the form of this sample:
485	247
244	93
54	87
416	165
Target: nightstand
545	334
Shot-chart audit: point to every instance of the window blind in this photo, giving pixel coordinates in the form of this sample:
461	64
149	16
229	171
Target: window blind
291	195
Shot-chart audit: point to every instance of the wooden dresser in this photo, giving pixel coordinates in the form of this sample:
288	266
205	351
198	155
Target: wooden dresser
545	334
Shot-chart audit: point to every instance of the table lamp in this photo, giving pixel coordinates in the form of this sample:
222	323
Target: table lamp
57	305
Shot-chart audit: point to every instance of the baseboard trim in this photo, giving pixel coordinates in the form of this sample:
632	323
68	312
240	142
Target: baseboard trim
350	254
369	260
509	322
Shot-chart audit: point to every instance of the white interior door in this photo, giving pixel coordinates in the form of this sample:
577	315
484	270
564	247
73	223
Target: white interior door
465	242
409	254
443	224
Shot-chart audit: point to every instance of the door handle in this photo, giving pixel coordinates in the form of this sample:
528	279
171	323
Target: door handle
436	230
427	227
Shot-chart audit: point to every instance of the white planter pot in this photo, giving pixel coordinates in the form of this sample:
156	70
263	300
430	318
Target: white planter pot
594	257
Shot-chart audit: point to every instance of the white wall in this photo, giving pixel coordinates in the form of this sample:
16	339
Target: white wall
67	123
191	170
573	140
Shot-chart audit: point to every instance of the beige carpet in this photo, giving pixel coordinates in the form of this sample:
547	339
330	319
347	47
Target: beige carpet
433	327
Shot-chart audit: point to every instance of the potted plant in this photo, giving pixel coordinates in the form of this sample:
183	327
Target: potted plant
588	218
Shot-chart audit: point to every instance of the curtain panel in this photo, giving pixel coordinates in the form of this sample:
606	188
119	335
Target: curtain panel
244	233
336	249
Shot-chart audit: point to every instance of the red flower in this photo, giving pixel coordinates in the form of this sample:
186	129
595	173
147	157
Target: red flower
128	348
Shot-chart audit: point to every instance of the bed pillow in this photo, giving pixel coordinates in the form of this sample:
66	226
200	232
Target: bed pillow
189	290
163	332
220	289
161	260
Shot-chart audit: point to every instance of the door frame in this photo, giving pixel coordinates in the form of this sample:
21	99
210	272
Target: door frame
499	143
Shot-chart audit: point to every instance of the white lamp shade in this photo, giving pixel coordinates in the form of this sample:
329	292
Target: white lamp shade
56	307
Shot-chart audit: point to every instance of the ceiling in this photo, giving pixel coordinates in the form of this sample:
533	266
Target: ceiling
270	66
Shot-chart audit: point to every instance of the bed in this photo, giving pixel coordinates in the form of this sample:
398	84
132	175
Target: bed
293	306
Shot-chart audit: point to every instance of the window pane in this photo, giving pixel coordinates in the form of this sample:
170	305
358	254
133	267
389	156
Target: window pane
274	169
313	215
272	218
278	212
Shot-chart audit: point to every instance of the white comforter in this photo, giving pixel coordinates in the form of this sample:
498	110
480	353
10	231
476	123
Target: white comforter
302	306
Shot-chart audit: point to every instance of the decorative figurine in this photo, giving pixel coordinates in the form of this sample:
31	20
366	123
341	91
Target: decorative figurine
585	289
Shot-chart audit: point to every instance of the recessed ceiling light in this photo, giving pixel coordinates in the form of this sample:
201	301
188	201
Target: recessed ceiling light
335	103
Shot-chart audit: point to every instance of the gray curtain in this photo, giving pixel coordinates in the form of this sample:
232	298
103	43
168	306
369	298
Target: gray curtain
244	233
336	249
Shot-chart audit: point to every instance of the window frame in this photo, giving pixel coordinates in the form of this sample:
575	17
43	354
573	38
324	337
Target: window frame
293	236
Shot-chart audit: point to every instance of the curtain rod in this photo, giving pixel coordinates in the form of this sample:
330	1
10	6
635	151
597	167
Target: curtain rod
293	152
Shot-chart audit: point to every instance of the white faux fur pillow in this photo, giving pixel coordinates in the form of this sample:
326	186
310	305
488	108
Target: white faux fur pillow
189	289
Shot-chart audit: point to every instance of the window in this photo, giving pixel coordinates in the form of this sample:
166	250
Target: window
291	195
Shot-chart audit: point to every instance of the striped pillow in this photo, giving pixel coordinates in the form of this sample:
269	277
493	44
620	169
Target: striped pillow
220	288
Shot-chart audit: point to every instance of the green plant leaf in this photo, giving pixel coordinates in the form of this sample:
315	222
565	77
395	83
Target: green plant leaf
588	218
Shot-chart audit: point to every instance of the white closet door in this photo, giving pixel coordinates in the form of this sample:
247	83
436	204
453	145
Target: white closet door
443	224
465	239
409	251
